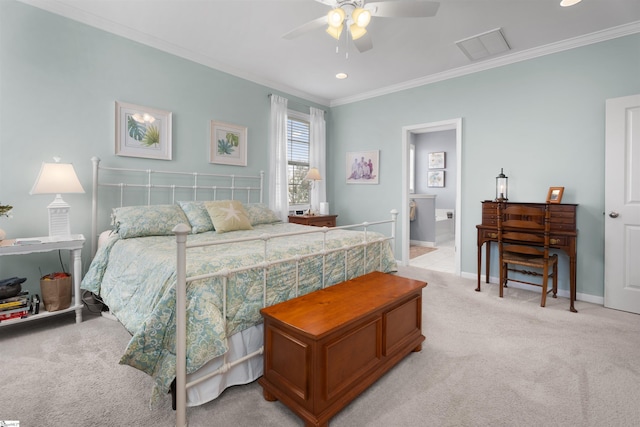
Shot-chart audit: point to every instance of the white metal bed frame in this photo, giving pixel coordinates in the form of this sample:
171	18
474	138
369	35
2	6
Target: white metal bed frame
151	184
183	230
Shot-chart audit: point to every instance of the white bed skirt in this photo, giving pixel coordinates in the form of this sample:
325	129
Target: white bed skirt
240	345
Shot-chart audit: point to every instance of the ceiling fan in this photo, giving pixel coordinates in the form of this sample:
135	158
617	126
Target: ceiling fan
355	15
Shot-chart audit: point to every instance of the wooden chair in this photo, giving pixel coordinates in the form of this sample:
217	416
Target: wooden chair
523	240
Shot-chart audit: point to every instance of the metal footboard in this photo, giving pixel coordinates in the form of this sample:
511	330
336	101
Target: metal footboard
181	231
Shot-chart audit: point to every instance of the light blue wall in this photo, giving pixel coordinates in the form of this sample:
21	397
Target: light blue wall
542	120
59	81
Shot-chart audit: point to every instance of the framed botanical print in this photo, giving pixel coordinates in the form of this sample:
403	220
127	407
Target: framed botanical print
143	132
228	145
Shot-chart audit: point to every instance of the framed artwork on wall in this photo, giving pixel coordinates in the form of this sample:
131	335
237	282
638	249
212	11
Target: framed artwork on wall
363	167
228	144
143	132
435	179
555	194
437	160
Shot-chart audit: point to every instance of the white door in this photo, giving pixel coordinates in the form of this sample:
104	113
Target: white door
622	204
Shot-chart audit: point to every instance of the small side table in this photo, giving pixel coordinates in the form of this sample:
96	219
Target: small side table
73	244
314	220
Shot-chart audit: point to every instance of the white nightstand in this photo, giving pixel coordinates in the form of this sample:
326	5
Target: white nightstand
73	244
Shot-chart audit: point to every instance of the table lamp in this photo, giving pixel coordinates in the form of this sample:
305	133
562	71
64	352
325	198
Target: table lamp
313	175
57	178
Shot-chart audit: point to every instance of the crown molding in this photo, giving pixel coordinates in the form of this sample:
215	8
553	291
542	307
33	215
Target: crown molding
596	37
148	40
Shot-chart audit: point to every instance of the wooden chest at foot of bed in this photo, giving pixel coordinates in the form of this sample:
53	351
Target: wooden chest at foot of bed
323	349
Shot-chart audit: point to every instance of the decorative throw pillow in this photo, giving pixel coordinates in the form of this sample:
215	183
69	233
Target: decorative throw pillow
260	213
198	216
153	220
228	215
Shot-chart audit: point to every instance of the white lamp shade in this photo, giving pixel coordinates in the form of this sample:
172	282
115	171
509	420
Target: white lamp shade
57	178
313	175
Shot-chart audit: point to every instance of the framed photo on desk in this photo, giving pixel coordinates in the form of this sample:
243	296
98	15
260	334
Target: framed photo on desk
555	194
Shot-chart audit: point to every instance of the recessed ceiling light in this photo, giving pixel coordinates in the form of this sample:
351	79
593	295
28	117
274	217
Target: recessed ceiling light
341	76
567	3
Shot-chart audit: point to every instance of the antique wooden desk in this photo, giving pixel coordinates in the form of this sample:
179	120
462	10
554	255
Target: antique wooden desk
564	236
323	349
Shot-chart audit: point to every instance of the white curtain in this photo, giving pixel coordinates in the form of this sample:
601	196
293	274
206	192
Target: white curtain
278	193
317	156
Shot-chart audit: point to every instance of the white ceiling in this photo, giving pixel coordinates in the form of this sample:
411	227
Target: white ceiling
244	38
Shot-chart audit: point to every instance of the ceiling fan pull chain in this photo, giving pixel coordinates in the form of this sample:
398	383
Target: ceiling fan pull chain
346	46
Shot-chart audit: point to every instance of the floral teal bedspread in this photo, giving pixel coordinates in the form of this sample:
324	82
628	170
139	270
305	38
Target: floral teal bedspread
136	278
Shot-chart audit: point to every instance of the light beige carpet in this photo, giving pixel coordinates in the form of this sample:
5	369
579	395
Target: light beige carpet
486	361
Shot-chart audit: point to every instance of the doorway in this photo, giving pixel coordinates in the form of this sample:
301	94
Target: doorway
409	135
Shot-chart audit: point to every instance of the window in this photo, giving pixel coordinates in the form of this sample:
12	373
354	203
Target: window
297	159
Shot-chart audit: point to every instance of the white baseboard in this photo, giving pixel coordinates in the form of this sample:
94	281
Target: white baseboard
593	299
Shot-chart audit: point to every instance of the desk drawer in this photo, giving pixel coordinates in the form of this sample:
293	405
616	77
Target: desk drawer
490	213
559	241
323	223
563	217
554	240
489	234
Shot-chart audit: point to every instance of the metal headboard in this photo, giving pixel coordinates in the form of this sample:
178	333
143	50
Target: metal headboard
192	184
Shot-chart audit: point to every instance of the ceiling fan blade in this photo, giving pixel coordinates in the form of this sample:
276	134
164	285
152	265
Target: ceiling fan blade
364	43
403	9
304	28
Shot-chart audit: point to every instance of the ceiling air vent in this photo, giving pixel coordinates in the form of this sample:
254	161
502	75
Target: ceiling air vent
484	45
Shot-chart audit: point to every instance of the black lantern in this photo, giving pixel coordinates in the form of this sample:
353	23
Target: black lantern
502	187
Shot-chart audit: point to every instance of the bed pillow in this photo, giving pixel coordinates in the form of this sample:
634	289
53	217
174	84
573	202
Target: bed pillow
260	213
228	215
198	216
153	220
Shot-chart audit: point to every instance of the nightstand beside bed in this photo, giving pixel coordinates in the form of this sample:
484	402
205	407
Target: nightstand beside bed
73	244
314	220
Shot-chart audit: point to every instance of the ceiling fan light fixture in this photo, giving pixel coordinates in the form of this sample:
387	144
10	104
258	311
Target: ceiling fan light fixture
335	31
567	3
356	31
335	17
361	17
